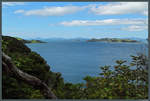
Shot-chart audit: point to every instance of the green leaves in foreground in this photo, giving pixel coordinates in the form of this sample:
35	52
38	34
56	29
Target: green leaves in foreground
119	82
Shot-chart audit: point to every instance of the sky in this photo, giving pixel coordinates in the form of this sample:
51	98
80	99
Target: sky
32	20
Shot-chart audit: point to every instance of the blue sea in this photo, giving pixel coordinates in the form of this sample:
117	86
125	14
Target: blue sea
77	59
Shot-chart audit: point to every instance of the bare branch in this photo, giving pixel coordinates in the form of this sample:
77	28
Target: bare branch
29	79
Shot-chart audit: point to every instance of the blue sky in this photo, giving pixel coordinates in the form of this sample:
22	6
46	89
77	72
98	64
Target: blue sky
75	19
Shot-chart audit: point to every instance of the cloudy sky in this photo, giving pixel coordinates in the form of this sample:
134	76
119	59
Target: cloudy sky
75	19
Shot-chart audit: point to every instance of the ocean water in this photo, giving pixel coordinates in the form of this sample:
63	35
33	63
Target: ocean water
76	60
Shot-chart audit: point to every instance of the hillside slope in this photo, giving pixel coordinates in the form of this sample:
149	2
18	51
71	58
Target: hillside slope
29	62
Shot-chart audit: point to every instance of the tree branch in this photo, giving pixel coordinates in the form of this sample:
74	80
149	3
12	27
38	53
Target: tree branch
8	66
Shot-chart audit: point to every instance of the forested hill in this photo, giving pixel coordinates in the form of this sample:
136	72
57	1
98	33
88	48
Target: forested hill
29	62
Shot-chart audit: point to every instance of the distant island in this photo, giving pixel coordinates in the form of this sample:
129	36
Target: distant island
30	41
112	40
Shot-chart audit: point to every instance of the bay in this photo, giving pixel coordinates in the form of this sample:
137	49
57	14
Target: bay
77	59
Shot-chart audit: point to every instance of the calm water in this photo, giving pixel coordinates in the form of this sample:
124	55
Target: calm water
75	60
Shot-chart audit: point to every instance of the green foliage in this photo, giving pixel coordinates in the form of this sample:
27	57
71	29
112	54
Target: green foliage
73	91
36	94
29	62
120	82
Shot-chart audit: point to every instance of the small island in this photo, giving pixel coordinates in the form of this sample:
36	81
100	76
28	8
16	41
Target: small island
30	41
112	40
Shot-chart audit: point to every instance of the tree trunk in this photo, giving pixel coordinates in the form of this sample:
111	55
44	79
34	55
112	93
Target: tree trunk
10	68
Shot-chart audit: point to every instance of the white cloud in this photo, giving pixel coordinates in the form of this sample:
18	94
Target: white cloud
12	3
136	28
54	11
121	8
102	9
19	11
105	22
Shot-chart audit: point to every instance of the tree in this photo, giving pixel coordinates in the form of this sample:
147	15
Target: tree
10	68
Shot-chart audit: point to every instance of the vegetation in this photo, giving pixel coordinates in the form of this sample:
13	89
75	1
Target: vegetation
120	83
29	62
111	40
114	82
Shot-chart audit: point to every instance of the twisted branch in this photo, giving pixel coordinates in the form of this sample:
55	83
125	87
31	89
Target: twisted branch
9	67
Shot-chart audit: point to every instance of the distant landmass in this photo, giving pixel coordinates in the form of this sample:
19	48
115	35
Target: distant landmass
138	39
126	39
30	41
112	40
45	40
63	39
